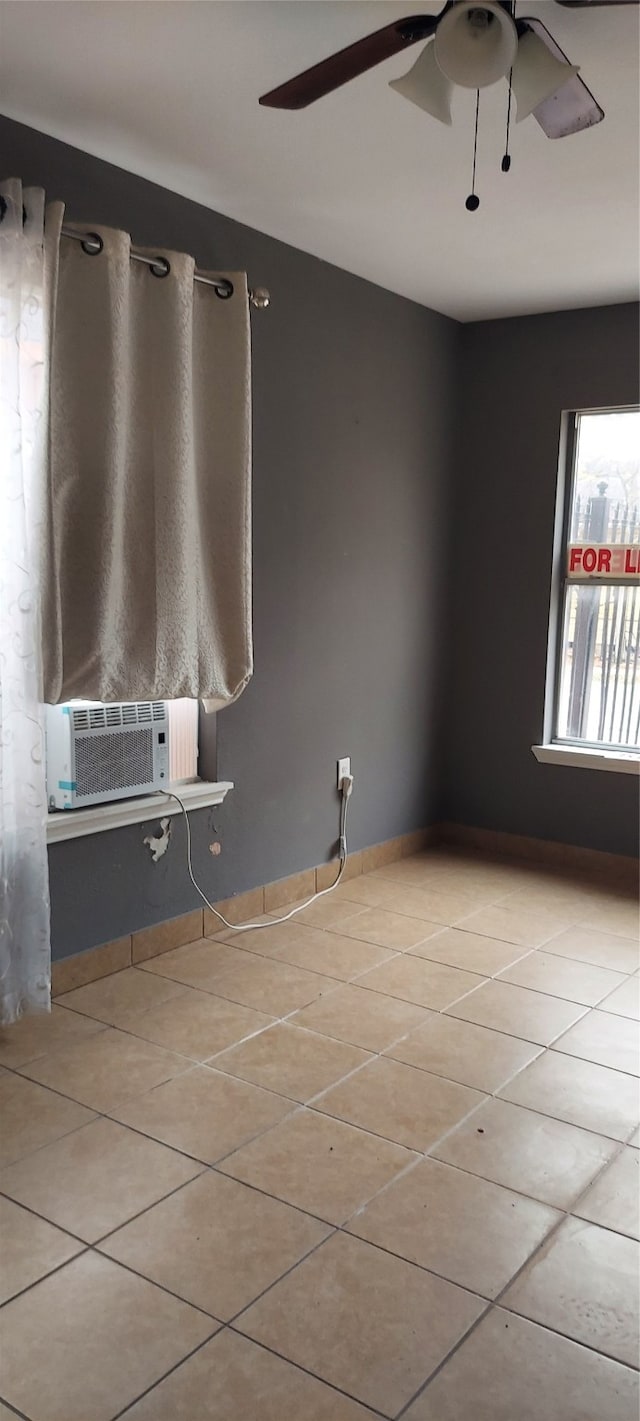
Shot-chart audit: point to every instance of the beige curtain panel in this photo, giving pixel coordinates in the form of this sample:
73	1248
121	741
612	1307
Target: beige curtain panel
148	562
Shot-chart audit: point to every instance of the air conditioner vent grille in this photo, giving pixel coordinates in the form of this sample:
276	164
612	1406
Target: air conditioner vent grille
107	763
118	714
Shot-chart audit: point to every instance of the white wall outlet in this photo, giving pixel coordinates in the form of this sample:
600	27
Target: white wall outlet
344	768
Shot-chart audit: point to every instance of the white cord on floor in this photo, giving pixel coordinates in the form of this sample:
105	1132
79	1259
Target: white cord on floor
346	788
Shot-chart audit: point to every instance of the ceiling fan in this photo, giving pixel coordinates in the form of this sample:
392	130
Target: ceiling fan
469	44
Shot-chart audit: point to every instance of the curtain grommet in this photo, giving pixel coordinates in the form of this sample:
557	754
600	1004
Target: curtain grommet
92	244
224	290
160	267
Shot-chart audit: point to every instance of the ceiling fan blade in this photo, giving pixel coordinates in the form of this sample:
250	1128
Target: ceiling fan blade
348	63
573	106
570	110
593	4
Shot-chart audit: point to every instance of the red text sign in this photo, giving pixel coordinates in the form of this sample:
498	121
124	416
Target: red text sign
619	560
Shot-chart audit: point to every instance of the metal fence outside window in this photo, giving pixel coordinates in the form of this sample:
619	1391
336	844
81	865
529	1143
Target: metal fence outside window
600	682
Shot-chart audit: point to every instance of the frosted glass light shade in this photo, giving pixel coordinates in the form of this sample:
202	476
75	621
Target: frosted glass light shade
537	74
475	45
426	86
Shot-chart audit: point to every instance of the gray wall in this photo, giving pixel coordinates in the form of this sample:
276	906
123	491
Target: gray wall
353	408
404	493
514	380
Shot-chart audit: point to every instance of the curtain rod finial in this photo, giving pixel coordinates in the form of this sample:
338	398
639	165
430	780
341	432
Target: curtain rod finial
260	298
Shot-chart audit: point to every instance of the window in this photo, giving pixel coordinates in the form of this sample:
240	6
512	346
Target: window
597	691
106	782
183	740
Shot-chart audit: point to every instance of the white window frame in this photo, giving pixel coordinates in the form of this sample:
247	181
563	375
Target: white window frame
556	749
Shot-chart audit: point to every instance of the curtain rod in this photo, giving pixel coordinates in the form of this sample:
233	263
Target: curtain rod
92	244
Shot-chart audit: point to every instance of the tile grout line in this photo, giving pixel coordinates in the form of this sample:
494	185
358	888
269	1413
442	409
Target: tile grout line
94	1246
428	1153
51	1272
497	1301
13	1409
335	1229
568	925
565	1213
415	1149
193	1062
227	1327
65	1134
423	1155
309	1105
197	1062
209	1169
382	1054
224	1322
567	1337
319	1217
297	1106
102	1113
20	1071
445	1360
366	1406
162	1287
355	978
207	1166
28	1208
544	1045
187	1357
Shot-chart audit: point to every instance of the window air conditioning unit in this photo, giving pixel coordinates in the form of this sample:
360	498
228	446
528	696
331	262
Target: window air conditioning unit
97	753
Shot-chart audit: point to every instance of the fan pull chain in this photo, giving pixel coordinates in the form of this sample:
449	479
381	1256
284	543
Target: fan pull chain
506	161
472	203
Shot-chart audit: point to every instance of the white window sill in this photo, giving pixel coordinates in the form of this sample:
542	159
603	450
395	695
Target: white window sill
585	759
74	823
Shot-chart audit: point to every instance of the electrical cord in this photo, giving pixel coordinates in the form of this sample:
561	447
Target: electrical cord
346	787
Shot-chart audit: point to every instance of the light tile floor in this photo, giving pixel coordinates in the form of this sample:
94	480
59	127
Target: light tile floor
379	1162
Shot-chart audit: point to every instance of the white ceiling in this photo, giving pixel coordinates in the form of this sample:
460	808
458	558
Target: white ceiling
362	178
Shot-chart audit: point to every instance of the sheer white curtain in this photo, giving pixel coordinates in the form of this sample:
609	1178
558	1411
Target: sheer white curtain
27	267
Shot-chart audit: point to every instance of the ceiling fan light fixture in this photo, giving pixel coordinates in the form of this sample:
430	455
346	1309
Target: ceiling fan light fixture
475	45
426	86
537	74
